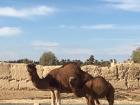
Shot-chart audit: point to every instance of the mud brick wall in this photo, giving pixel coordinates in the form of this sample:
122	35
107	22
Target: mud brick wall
121	75
16	77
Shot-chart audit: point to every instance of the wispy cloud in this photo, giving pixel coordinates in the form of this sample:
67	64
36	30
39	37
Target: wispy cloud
26	12
67	26
44	44
127	5
8	55
80	8
98	27
88	27
119	49
9	31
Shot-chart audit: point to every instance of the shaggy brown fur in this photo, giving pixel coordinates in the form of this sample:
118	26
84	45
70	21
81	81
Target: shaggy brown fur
96	88
58	79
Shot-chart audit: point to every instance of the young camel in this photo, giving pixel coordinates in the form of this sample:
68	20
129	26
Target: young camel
95	88
57	80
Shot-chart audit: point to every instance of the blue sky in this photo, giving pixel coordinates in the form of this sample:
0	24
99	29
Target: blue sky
72	29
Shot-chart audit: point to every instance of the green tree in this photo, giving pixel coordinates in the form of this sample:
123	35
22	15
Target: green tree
24	61
104	63
90	60
48	58
136	55
63	61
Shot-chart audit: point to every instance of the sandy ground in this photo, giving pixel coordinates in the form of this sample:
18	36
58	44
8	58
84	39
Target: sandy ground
121	97
77	101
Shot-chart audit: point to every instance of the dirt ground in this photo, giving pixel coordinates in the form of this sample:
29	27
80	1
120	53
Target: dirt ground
121	96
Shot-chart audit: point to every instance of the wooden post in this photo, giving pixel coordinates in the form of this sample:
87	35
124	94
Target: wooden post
138	81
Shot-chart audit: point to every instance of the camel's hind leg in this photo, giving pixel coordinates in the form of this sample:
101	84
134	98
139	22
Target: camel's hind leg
58	98
110	101
90	100
110	98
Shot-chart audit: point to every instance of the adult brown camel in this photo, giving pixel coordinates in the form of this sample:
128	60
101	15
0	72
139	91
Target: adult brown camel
57	80
95	88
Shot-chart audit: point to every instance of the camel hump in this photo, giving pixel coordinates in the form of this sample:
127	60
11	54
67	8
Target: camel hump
71	66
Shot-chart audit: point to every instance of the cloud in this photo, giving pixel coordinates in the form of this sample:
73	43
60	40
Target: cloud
98	27
127	5
81	8
120	49
137	45
67	26
125	50
88	27
9	31
26	12
5	56
44	44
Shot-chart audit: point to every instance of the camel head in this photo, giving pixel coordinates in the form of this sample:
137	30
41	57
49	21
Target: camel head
31	68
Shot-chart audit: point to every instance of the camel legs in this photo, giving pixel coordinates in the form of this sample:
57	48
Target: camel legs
52	98
55	97
75	84
97	102
90	100
58	98
110	98
110	101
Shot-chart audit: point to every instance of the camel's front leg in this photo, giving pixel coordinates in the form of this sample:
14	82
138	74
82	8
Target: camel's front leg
52	98
58	98
97	102
90	100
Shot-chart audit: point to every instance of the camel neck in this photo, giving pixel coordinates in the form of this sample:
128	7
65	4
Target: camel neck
36	80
